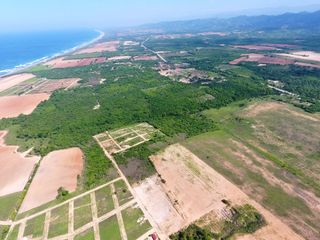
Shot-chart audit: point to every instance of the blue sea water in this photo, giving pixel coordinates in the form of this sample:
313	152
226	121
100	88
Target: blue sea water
20	49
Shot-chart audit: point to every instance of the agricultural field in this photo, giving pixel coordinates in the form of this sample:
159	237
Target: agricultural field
186	139
108	210
270	150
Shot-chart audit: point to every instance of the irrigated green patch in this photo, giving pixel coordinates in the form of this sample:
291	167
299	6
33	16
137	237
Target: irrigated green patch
34	227
135	223
104	200
109	229
59	221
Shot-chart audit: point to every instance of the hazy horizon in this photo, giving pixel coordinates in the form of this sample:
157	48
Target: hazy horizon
35	15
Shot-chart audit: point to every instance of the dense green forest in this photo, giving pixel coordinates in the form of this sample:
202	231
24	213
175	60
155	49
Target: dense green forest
130	95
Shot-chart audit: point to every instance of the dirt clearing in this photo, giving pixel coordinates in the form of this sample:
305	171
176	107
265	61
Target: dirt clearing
111	46
62	63
15	168
195	189
58	169
8	82
303	55
13	106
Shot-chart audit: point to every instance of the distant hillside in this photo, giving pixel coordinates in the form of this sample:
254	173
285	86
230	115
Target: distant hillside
303	20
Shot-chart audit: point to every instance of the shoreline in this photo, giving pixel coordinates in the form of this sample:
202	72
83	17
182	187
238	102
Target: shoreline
25	66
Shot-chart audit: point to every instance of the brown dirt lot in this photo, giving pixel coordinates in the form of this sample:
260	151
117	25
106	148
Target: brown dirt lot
145	58
13	106
111	46
303	55
262	59
53	85
255	47
194	189
10	81
15	168
62	63
58	169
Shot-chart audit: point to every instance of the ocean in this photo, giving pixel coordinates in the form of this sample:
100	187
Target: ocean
18	50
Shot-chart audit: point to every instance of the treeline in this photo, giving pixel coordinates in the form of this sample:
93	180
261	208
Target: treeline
130	95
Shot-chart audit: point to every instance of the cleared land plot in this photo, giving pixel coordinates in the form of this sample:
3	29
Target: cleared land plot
110	46
270	151
10	81
58	169
13	106
303	55
41	86
34	227
117	141
122	192
59	221
135	223
82	211
195	189
104	200
52	85
15	169
87	235
109	229
63	63
153	196
261	59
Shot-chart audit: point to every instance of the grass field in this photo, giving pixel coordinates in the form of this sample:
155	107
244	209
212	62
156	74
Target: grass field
104	200
269	150
122	192
8	204
59	221
109	229
87	235
135	223
14	233
34	227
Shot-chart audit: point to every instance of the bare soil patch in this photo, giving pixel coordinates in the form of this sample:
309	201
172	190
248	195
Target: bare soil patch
303	55
15	168
58	169
117	58
261	59
111	46
145	58
153	196
62	63
52	85
307	65
257	108
10	81
13	106
195	189
256	47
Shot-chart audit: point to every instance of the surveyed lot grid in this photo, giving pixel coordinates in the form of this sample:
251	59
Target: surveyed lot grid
106	212
120	140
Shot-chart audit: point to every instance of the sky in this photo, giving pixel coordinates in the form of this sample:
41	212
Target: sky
29	15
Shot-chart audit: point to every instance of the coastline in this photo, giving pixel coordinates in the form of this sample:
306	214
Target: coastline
25	66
